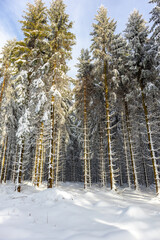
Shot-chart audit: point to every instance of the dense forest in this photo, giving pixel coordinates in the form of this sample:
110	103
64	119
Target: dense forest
102	127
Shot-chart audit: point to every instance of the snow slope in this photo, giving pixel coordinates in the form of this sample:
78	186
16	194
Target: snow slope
71	213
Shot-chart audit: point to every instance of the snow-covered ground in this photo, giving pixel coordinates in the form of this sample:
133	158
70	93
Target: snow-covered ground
71	213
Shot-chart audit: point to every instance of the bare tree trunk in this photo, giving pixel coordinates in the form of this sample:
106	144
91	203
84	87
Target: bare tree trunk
112	180
102	164
34	179
3	159
85	137
15	166
143	161
50	173
20	163
150	141
125	150
145	173
43	157
6	165
89	170
58	153
40	155
1	154
135	177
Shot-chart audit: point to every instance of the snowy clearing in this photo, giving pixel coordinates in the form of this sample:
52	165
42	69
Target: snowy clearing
69	212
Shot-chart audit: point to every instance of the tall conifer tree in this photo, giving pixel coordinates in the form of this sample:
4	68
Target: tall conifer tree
102	35
28	56
61	40
136	32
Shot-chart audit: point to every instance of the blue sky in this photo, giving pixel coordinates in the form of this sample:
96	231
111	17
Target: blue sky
82	13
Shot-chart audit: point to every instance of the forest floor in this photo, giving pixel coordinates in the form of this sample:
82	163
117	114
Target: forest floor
68	212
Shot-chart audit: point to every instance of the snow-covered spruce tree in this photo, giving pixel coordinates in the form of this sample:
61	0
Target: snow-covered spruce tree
142	69
123	86
29	54
155	31
99	166
37	40
61	41
5	68
5	75
155	18
102	35
155	88
7	113
38	105
83	103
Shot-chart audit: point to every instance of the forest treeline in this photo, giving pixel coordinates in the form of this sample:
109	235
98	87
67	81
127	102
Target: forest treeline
107	129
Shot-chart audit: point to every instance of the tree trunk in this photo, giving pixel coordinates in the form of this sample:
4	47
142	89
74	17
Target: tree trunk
3	160
125	150
15	166
43	157
150	141
51	173
143	161
40	155
135	177
58	153
112	180
1	154
34	180
19	175
6	165
85	137
102	164
89	170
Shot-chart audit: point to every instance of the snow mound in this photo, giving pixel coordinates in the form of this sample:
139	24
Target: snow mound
134	212
50	196
102	204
